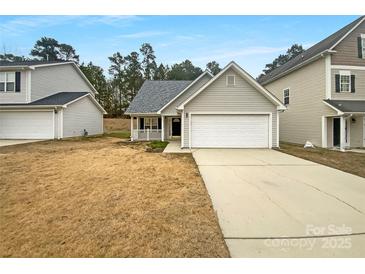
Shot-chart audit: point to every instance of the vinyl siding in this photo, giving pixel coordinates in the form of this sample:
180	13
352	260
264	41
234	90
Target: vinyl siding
53	79
82	114
171	109
346	51
359	85
356	131
219	98
302	121
16	97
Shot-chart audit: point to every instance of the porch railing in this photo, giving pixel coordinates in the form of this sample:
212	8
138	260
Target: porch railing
146	134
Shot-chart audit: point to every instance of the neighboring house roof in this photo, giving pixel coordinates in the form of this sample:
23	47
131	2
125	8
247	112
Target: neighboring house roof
245	76
37	63
60	99
347	106
153	95
29	63
312	53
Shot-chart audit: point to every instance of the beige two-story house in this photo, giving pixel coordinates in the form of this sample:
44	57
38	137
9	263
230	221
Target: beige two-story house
47	100
324	91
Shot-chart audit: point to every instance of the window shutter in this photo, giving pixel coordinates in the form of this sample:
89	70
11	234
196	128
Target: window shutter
353	83
337	81
17	81
141	123
359	47
159	123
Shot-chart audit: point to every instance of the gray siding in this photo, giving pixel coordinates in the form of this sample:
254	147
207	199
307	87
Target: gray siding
346	51
16	97
52	79
359	85
82	114
302	121
220	98
171	109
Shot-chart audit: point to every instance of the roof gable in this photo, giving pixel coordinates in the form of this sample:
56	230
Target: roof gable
153	95
313	53
246	77
204	74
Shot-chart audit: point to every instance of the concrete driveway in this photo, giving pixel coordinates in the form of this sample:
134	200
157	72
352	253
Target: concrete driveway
4	143
270	204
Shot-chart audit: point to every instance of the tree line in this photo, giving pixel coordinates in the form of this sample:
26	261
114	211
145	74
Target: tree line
128	72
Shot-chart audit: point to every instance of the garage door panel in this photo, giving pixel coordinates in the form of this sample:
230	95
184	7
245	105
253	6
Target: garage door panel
232	131
26	125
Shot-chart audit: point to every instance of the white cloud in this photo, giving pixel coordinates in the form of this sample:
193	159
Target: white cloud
142	34
225	54
21	24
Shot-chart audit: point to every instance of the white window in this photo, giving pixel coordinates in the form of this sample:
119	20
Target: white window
363	45
7	81
286	96
345	81
231	80
151	123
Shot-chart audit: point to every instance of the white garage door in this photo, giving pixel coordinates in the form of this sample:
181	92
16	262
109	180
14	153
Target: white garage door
26	125
230	131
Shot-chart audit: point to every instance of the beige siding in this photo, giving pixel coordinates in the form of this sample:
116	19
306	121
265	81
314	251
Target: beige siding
16	97
220	98
171	109
302	121
359	85
356	131
83	114
52	79
346	51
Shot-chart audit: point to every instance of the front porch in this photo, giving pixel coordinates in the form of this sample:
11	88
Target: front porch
344	132
148	128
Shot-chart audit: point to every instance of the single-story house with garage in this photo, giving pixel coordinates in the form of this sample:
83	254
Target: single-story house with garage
228	110
47	100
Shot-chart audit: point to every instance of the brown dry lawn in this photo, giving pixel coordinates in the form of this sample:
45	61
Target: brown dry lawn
114	124
101	197
350	162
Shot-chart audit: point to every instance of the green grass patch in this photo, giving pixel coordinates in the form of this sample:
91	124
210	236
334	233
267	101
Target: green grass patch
157	144
122	134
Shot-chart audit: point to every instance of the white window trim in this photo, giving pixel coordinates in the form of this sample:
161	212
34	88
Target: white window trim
151	123
234	80
288	89
6	81
345	73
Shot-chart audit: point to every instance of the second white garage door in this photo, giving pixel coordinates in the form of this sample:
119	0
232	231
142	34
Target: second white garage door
26	124
230	131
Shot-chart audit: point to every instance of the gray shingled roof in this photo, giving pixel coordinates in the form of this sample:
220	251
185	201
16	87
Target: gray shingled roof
153	95
347	105
28	63
318	48
58	99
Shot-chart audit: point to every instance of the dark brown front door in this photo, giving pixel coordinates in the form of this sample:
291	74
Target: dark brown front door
176	127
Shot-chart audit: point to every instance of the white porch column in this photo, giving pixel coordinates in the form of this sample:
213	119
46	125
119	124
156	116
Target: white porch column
324	132
132	128
162	128
342	133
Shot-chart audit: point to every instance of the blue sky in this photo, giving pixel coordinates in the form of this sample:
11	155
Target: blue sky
251	41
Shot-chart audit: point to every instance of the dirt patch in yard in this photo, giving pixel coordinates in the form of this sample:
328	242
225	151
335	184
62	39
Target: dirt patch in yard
103	198
350	162
113	124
